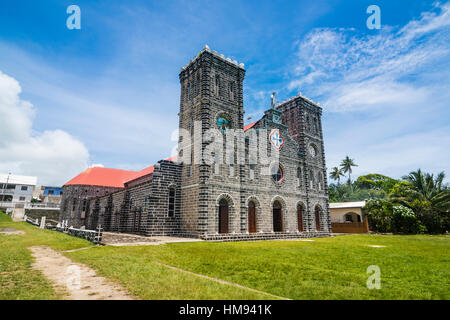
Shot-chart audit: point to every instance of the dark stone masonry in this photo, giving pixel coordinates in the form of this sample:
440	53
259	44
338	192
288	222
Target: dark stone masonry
218	192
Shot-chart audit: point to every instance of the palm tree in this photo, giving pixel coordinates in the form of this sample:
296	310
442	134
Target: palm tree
425	187
346	166
336	174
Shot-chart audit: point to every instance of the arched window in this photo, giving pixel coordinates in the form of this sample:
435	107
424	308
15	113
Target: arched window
197	85
231	162
191	127
137	219
216	163
319	181
189	91
311	179
231	90
74	205
217	85
171	202
252	171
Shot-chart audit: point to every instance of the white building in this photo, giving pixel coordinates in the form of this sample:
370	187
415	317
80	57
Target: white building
347	211
14	188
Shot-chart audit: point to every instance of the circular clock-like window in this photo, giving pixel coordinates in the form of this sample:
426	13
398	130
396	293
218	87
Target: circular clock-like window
223	123
277	173
312	150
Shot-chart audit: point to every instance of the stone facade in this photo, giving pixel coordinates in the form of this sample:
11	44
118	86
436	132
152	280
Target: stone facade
234	197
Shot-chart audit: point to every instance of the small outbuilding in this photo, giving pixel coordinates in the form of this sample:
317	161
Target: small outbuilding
348	217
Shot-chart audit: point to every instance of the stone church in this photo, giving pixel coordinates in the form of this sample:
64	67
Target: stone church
229	181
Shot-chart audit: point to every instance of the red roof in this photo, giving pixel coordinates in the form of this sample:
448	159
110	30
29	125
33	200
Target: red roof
147	170
108	177
98	176
249	126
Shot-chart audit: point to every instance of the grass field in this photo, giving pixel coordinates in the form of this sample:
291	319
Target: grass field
412	267
17	279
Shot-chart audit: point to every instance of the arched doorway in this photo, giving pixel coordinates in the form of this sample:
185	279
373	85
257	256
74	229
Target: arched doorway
251	217
223	216
317	215
352	217
277	217
300	217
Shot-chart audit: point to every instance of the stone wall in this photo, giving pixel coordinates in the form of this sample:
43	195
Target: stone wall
142	208
38	214
75	202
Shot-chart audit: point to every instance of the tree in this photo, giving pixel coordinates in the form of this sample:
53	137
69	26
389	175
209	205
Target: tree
424	187
379	213
427	196
345	192
336	174
346	166
385	216
376	181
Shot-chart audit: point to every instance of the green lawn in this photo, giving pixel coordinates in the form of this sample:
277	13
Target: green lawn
140	275
17	279
412	267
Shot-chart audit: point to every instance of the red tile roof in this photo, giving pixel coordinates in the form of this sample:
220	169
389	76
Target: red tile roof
147	170
98	176
108	177
249	126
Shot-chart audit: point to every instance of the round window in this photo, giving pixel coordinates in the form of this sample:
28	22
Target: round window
277	173
223	123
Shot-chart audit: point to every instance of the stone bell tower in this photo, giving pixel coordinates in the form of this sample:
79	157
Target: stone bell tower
211	97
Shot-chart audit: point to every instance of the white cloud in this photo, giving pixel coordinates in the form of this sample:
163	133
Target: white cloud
52	156
350	71
385	94
116	114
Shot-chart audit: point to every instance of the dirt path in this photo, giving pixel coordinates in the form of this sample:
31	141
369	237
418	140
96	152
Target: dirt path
126	239
76	279
11	231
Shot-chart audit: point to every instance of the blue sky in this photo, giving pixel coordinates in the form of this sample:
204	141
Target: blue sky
109	93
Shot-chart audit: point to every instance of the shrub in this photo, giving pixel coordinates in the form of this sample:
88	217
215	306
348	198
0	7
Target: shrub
379	214
404	220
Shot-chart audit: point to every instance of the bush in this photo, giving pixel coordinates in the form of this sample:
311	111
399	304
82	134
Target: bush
404	220
384	216
379	215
